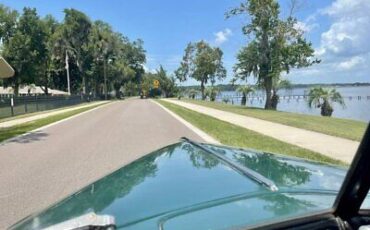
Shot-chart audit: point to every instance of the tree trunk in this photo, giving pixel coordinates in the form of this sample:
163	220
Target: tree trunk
274	100
326	109
16	83
97	89
118	94
46	91
202	90
265	68
16	87
268	88
244	100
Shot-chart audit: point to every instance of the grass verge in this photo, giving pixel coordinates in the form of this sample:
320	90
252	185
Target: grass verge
229	134
41	112
6	133
345	128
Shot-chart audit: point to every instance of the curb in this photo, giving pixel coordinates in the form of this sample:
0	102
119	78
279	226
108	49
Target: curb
207	138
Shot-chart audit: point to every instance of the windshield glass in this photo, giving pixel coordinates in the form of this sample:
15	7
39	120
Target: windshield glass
172	114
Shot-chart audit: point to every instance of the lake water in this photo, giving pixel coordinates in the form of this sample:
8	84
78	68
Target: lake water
357	100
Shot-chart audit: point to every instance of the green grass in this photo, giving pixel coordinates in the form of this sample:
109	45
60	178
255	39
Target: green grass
6	133
229	134
30	114
346	128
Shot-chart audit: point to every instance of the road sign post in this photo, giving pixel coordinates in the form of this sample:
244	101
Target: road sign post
155	91
67	69
12	105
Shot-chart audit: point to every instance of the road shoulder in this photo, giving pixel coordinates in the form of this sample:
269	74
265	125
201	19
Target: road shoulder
199	132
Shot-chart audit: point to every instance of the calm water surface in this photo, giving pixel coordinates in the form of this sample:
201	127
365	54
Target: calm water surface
357	100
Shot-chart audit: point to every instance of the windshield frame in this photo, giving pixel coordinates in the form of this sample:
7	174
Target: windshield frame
356	184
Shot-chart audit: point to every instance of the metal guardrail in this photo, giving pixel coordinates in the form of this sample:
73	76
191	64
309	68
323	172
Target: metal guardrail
13	106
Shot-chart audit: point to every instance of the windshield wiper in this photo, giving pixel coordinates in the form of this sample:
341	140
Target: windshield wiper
86	222
238	167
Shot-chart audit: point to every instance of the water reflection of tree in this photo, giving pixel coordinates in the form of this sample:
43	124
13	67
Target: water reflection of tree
101	194
282	173
283	204
200	158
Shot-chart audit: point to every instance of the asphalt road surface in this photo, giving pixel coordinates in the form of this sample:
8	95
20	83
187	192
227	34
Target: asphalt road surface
41	168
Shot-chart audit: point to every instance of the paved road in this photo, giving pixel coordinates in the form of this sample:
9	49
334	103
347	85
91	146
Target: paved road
42	168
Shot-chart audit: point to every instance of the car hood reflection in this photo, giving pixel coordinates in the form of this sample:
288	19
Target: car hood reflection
185	187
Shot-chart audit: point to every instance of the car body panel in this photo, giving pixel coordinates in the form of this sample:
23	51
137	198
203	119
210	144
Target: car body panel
183	186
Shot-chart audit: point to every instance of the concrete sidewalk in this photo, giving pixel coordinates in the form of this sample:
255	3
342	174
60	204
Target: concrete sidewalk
334	147
44	114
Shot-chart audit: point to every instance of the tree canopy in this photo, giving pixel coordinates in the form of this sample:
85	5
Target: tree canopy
167	84
277	45
202	63
40	49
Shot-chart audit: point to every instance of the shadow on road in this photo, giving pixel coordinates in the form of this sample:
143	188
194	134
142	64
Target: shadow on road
30	137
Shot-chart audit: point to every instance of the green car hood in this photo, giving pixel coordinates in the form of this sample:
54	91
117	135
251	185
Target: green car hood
184	186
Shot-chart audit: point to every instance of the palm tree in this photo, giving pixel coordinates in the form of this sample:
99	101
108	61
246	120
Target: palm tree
245	90
322	98
212	92
226	99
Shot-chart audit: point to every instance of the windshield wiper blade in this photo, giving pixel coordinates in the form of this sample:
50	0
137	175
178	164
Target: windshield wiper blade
238	167
86	222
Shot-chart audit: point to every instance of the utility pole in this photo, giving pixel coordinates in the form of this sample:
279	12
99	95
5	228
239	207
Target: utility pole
105	79
67	69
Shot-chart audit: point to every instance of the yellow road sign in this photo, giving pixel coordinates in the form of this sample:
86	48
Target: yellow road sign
156	83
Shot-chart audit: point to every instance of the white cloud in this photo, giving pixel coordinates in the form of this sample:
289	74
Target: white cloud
148	70
340	8
351	63
349	33
344	47
222	36
312	17
305	26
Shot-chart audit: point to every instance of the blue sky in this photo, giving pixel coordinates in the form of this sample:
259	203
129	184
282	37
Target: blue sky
338	30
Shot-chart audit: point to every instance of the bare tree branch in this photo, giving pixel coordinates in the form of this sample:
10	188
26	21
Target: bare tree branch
295	6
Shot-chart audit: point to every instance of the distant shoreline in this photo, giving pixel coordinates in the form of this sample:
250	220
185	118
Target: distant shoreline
331	85
229	87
